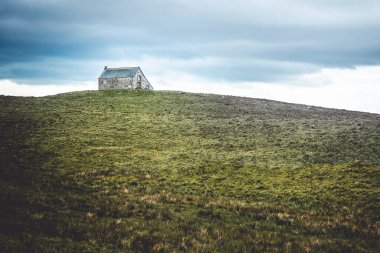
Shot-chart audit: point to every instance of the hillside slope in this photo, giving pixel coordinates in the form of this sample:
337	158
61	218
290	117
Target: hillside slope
136	171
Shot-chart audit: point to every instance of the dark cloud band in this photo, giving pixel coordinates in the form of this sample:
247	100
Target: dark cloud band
251	40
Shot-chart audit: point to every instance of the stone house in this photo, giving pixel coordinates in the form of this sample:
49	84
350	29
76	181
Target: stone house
123	78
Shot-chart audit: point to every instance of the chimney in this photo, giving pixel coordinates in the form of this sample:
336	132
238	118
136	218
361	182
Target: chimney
105	67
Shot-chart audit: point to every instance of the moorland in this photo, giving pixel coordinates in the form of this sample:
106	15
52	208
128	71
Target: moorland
140	171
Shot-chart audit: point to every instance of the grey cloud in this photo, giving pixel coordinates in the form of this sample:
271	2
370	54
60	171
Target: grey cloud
253	40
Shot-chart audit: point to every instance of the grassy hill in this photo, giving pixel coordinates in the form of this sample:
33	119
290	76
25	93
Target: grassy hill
135	171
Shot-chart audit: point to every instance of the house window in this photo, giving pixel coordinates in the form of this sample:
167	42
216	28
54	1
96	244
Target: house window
104	81
139	82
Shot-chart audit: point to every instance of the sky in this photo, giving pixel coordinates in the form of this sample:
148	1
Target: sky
316	52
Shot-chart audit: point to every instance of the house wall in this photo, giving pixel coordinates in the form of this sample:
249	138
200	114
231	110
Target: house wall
144	82
115	83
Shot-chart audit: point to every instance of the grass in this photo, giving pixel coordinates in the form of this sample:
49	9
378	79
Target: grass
137	171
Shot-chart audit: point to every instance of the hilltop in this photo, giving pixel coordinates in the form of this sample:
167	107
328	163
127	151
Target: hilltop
140	171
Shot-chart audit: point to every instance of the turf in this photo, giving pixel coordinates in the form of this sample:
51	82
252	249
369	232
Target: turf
138	171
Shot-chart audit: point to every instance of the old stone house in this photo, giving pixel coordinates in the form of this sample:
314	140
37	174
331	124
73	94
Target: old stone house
123	78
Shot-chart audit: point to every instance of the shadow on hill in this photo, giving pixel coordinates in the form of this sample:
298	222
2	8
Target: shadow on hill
34	201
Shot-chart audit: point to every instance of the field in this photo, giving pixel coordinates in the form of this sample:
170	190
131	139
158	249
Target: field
138	171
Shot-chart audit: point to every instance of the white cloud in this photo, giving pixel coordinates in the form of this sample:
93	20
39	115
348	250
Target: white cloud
8	87
352	89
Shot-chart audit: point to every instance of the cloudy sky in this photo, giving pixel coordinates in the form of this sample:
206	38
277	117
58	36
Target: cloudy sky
317	52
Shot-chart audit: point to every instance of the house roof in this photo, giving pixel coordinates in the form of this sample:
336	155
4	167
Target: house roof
119	72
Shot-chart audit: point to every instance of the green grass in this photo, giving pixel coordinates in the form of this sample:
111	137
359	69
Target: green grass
137	171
